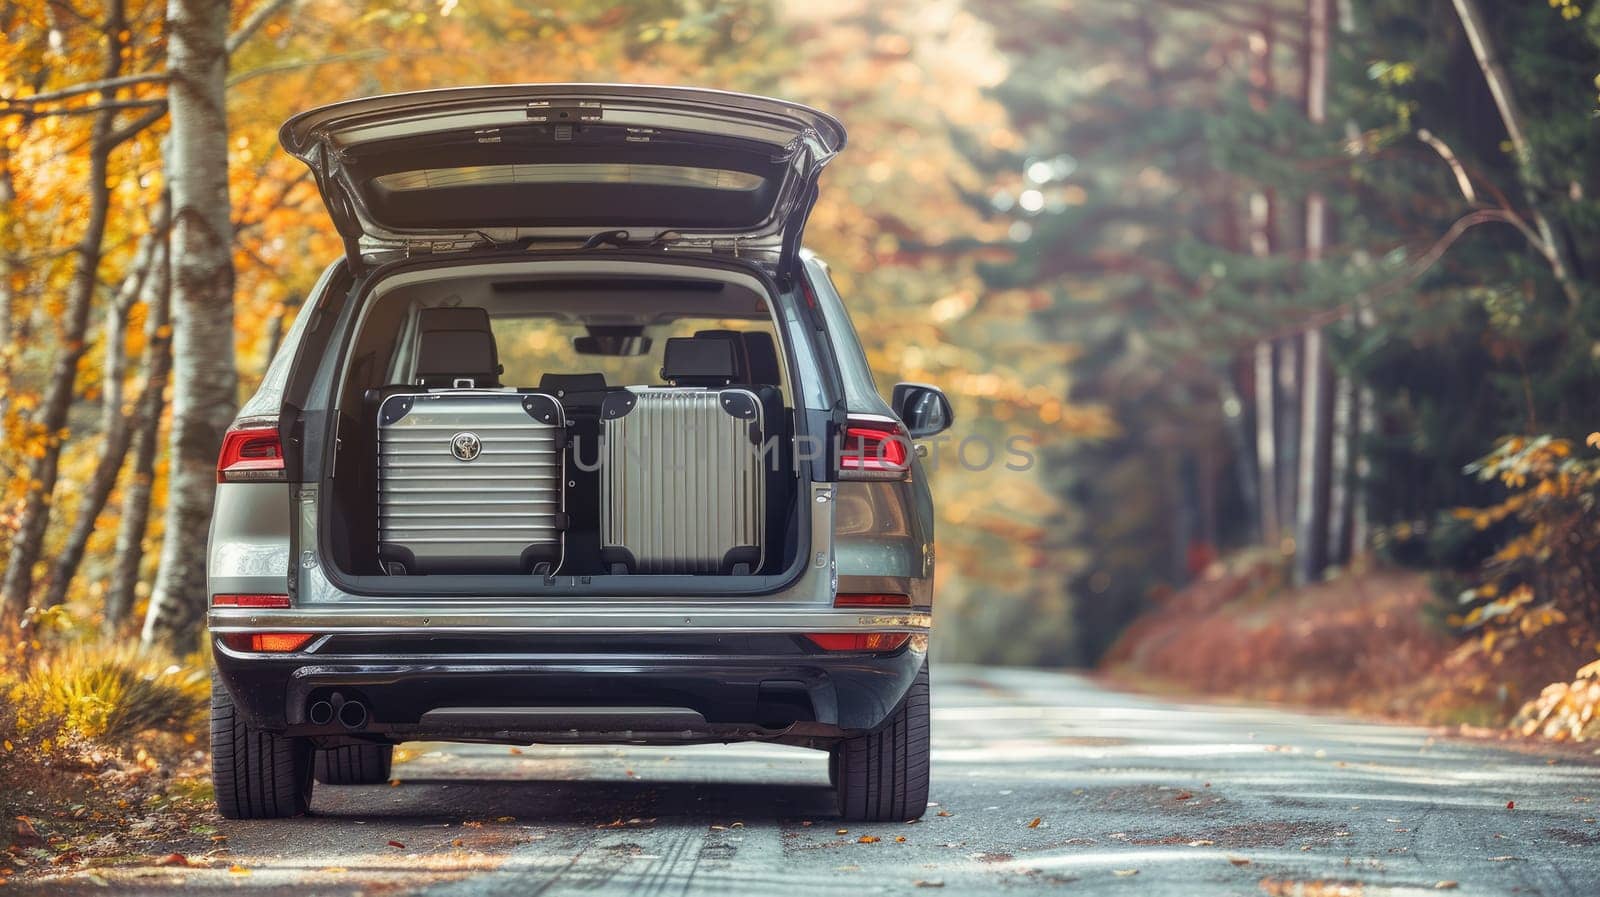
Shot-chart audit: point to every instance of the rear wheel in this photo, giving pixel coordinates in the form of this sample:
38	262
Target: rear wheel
256	774
883	777
354	764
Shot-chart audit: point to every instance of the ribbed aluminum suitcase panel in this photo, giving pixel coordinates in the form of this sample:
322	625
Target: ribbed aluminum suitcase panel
681	483
501	509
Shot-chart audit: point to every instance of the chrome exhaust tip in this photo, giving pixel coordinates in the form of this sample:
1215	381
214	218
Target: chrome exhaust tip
320	713
353	715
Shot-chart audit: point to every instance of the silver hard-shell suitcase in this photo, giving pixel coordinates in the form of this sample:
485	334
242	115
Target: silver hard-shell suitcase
682	488
470	481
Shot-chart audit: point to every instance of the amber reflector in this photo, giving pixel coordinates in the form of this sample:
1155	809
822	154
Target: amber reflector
859	641
267	642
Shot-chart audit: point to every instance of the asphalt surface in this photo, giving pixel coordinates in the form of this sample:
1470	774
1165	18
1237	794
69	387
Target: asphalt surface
1132	795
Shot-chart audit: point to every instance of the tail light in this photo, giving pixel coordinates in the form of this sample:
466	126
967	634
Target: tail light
859	641
874	448
249	600
267	642
251	453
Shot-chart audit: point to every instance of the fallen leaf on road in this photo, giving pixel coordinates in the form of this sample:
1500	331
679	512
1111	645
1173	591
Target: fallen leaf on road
237	869
505	819
899	839
335	870
1184	795
843	831
928	883
1239	861
1511	805
218	839
1035	822
1203	842
806	824
945	813
1124	873
26	834
173	859
1445	885
867	839
394	783
515	751
458	843
397	844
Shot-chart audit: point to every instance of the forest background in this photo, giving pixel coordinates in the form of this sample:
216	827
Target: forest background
1295	301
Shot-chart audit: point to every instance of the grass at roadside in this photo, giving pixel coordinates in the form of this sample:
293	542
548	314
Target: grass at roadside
102	754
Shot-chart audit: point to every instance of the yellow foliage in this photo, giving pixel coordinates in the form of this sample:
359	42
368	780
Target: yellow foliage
99	690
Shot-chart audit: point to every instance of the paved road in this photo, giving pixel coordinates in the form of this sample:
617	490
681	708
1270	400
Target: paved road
1133	795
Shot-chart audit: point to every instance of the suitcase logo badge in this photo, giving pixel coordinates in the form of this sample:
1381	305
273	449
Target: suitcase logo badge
466	446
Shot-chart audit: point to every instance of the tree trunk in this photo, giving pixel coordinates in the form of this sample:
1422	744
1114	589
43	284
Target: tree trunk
28	541
205	381
1316	411
1341	494
8	195
117	430
1266	444
146	442
1528	172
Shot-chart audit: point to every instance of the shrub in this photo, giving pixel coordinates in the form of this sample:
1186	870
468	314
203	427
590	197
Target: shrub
1538	601
98	691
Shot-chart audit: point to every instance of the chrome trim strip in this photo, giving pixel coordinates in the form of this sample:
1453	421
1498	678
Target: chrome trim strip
697	621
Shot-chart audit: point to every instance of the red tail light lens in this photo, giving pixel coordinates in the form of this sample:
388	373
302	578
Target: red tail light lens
249	600
871	600
859	641
251	454
874	449
267	642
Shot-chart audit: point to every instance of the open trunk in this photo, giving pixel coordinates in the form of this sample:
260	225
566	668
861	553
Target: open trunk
523	429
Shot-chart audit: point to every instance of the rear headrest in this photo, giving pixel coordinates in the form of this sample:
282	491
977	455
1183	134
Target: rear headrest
561	384
741	360
699	362
455	344
761	359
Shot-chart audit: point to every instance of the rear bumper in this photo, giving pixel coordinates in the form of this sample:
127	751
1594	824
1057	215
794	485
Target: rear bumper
573	687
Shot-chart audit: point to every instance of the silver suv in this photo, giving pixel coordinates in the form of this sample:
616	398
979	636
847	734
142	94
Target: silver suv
575	444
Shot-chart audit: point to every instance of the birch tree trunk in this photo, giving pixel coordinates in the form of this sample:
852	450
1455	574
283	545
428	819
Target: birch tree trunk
117	430
27	542
205	380
145	425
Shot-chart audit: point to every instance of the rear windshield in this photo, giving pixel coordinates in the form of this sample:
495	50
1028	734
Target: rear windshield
532	347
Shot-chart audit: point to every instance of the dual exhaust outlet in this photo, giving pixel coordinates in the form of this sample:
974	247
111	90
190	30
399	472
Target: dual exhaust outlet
351	713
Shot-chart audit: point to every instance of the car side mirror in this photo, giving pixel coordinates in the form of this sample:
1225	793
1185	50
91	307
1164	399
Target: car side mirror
922	408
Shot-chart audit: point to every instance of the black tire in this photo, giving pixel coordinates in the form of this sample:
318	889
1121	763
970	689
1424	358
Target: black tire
355	764
883	777
256	774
